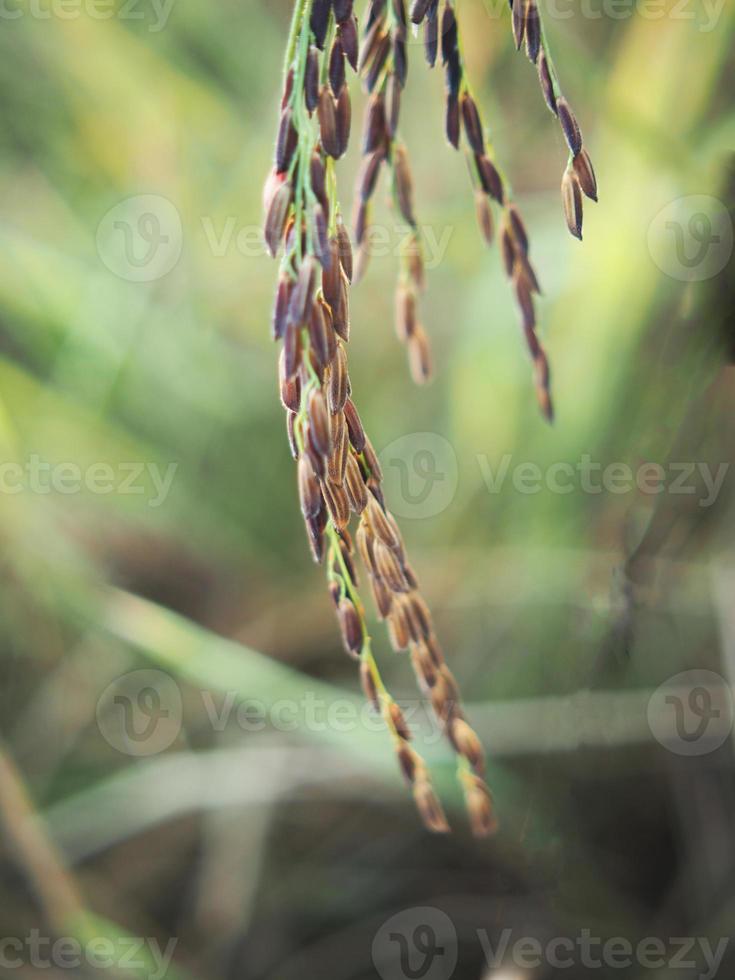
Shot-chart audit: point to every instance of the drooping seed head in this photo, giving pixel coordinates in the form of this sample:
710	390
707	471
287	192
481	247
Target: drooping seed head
337	503
389	568
337	462
368	686
381	526
569	125
382	596
472	124
310	495
319	23
373	37
374	135
354	426
429	807
343	121
318	180
393	106
409	761
520	235
449	36
319	428
419	356
345	249
467	744
326	111
586	174
420	612
286	142
546	81
355	485
341	312
398	722
311	80
403	183
349	36
532	30
431	36
342	10
277	209
292	348
452	121
289	385
490	179
377	64
375	471
571	193
518	17
319	332
484	216
405	312
339	381
479	803
320	237
280	307
337	66
419	9
368	177
351	627
398	632
291	433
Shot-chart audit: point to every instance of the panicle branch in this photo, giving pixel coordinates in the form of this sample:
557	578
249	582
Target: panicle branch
384	68
579	176
490	187
338	472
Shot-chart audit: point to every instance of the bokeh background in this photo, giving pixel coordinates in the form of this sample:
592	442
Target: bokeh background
135	301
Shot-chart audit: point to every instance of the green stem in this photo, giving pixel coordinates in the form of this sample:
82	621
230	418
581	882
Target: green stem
293	36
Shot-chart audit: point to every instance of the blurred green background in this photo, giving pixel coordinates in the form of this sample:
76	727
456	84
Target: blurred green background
149	518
